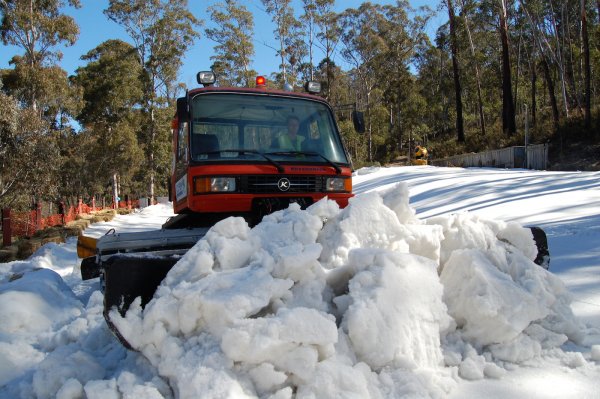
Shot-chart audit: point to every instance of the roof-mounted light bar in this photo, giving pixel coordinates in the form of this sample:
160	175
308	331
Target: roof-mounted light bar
206	78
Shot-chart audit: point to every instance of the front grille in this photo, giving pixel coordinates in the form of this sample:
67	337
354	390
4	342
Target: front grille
266	184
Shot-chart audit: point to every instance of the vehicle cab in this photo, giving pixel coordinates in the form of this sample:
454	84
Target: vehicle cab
252	151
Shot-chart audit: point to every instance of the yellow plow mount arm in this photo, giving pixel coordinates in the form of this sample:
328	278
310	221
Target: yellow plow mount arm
86	246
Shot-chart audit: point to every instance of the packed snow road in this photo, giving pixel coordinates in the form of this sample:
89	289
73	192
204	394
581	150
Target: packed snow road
383	299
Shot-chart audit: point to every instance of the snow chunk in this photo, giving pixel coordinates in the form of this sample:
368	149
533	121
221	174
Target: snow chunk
370	223
268	339
396	310
486	303
38	301
596	353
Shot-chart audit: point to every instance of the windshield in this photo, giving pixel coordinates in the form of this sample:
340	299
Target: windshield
232	126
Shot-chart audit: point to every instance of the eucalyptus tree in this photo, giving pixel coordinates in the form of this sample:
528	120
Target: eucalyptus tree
475	61
435	83
587	67
537	24
45	99
37	28
112	91
233	35
460	131
161	31
328	36
508	107
288	32
28	155
309	19
402	30
316	19
362	48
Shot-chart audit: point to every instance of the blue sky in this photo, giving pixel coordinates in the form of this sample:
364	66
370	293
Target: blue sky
96	28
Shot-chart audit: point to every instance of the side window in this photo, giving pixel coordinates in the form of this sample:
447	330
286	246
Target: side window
182	142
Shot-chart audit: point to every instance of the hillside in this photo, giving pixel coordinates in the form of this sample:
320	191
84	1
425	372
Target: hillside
583	156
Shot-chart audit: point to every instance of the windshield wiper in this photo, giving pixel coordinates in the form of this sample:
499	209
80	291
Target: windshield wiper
279	167
330	162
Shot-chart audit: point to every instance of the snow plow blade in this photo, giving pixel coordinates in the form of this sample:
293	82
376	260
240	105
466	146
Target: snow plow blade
127	278
159	243
132	265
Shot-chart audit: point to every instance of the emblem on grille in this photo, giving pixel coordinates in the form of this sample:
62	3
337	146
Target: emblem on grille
283	184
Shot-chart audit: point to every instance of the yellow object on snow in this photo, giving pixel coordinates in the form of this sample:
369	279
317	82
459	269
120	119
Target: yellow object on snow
421	155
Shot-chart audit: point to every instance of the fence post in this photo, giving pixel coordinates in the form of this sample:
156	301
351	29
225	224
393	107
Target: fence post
38	216
6	228
61	212
79	206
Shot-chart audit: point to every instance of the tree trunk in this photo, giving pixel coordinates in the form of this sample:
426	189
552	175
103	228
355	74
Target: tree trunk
310	48
457	89
533	99
508	107
152	163
550	85
478	78
370	128
115	191
587	69
560	62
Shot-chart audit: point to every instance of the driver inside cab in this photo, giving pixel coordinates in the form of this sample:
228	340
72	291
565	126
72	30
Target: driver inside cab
291	141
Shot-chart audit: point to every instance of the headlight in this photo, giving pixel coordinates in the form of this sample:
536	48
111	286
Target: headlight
214	184
338	184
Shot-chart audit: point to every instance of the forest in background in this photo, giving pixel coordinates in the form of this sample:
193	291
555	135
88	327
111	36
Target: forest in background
496	70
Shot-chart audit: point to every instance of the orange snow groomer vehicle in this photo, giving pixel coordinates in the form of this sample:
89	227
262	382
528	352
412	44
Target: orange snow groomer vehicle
251	151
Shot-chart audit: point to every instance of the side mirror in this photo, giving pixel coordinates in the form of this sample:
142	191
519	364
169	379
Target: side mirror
182	109
358	120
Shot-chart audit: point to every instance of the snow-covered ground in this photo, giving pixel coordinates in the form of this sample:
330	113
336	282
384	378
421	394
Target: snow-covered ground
384	299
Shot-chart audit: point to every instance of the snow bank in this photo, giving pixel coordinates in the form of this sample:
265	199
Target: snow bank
365	302
31	303
54	346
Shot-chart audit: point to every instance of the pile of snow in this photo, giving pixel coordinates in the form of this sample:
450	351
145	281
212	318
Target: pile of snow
364	302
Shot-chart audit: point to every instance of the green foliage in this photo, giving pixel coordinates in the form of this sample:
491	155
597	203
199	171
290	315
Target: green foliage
123	97
38	100
234	49
36	27
288	32
112	93
28	151
161	31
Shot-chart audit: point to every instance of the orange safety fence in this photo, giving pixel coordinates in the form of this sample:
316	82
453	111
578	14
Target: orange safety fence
25	224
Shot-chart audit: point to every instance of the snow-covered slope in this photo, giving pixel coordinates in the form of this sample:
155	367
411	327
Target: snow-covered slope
383	299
